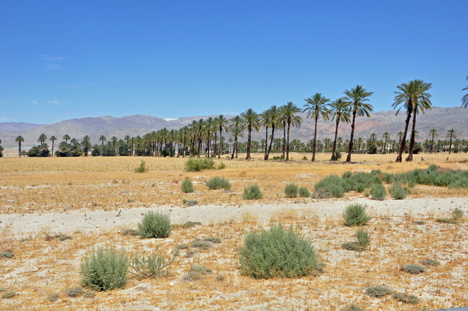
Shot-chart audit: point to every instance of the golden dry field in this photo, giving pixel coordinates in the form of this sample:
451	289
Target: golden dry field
43	265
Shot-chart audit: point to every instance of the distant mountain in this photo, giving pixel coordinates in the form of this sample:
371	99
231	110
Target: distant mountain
441	119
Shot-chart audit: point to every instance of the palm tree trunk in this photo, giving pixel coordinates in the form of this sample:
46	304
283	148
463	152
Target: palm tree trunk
271	141
52	148
266	142
220	142
314	144
249	140
450	144
284	139
208	143
413	138
215	145
432	144
19	149
336	136
350	150
287	145
403	138
234	147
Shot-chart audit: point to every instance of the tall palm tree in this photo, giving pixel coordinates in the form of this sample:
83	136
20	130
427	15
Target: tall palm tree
86	144
421	103
19	140
465	97
53	139
433	133
275	122
340	112
316	106
451	135
236	128
386	138
102	139
222	125
66	138
42	138
404	97
290	118
209	125
265	121
358	96
251	122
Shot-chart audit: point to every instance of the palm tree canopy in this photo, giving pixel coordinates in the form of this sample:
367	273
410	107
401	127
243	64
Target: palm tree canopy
316	106
413	96
52	138
339	109
358	96
102	138
465	97
19	139
288	114
250	118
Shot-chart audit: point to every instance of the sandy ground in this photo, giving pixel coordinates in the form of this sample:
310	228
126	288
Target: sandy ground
92	221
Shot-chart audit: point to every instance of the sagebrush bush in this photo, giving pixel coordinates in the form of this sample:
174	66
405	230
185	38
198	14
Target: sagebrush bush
150	266
413	269
397	191
105	269
142	168
332	185
74	292
197	165
278	253
291	190
155	225
218	183
402	297
253	192
378	291
355	215
362	241
304	192
430	262
187	186
378	192
457	213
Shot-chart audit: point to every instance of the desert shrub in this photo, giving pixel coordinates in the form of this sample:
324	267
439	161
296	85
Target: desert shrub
130	232
360	181
278	253
190	224
150	266
197	165
142	168
201	244
413	269
6	255
189	202
53	297
333	185
155	225
457	213
304	158
218	183
430	262
187	186
361	242
304	192
105	269
212	239
355	215
74	292
378	291
419	222
291	190
448	221
196	273
89	294
221	166
336	156
397	191
412	299
182	246
252	192
8	295
353	307
378	192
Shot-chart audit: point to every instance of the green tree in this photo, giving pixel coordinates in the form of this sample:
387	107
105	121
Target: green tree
451	135
434	133
19	140
86	144
358	96
252	123
386	138
316	106
275	122
236	128
42	138
222	126
53	139
102	139
465	97
66	138
340	112
289	112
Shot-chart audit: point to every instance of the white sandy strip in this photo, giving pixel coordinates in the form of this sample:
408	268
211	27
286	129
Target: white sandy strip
96	221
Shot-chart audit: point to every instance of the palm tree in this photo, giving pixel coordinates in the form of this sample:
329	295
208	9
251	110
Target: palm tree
251	122
86	144
451	135
358	97
340	112
465	97
316	106
386	138
289	117
102	139
53	139
42	138
222	125
19	140
433	133
275	121
236	129
265	121
66	138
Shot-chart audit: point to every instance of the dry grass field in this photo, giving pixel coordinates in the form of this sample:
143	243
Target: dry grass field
44	265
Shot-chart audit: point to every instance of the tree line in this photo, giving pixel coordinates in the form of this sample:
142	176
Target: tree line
205	137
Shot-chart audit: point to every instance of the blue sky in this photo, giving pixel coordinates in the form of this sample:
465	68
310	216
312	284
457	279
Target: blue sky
70	59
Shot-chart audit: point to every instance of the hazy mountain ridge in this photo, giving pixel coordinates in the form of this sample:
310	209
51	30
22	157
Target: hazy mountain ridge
441	119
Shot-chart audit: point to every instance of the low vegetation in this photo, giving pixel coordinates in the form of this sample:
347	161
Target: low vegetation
291	190
187	186
155	225
304	192
218	183
413	269
148	266
361	243
378	192
355	215
253	192
378	291
142	168
411	299
198	165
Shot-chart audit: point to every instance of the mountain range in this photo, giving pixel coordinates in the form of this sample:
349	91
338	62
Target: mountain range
442	119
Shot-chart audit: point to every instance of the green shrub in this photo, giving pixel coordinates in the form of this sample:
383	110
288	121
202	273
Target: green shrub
457	213
304	192
221	166
201	244
155	225
105	269
378	192
218	183
413	269
196	273
412	299
150	266
291	190
53	297
430	262
278	253
197	165
378	291
355	215
74	292
252	192
448	221
142	168
333	185
361	243
187	186
397	191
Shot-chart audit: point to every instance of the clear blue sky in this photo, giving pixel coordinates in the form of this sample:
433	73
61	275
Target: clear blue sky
71	59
